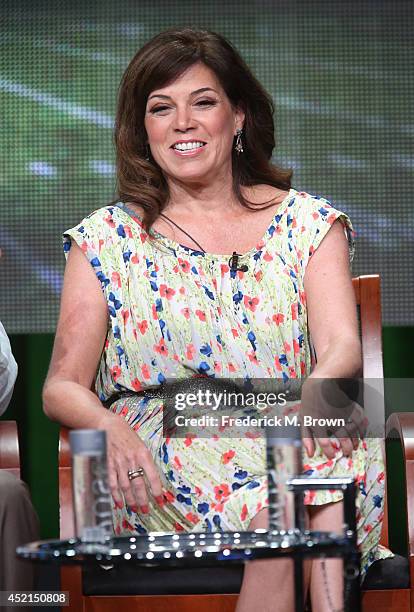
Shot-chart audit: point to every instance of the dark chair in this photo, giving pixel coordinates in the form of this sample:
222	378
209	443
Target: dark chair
149	589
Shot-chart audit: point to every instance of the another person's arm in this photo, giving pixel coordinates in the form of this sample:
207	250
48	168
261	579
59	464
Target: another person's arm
67	395
8	370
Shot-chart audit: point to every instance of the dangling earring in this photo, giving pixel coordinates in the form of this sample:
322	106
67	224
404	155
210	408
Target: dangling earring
147	152
238	147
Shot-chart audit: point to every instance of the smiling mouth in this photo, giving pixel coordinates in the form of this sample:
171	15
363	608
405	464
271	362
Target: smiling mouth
183	147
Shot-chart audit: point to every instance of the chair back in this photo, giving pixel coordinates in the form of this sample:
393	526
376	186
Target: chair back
368	298
66	516
9	448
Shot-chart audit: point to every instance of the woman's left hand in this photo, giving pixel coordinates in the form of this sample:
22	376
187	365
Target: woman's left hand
327	412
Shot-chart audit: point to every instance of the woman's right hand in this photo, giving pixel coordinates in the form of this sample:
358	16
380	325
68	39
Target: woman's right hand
126	451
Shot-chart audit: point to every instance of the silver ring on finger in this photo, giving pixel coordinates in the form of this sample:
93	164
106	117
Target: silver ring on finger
135	473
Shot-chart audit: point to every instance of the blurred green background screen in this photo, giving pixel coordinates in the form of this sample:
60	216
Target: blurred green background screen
338	71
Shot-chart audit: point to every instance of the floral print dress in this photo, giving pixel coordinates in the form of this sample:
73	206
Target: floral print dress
175	312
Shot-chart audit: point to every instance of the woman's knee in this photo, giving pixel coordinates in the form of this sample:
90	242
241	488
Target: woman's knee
260	520
327	516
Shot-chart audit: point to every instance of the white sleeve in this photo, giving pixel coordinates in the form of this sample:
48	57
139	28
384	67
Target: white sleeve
8	370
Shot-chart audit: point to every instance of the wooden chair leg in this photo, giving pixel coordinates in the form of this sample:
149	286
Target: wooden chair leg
386	601
155	603
71	581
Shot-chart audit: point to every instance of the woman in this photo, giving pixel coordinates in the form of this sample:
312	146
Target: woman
151	293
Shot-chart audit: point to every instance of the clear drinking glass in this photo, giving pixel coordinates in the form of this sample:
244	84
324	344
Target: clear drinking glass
91	494
284	461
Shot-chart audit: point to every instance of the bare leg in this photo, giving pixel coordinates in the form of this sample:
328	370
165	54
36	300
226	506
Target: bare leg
268	585
327	585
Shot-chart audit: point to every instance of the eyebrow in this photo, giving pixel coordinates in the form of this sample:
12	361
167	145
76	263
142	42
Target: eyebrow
193	93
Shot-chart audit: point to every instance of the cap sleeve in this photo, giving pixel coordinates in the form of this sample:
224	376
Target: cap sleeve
317	217
92	235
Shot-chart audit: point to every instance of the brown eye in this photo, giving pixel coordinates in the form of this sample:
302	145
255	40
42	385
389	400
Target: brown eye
206	103
158	109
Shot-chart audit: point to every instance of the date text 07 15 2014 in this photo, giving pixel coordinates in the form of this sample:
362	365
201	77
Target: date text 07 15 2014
34	598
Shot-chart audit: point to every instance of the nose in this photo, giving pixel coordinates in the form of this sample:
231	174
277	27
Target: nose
183	120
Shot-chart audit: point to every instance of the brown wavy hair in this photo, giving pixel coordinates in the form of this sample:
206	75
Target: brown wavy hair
159	62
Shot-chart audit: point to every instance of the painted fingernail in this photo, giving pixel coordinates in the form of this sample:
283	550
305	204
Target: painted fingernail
160	500
144	509
134	508
119	504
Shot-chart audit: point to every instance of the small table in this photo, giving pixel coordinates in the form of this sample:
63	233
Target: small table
216	548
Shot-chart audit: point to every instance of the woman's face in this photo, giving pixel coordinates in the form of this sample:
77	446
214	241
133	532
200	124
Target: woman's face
191	125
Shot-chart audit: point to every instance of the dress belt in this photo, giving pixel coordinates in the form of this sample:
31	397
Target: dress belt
168	390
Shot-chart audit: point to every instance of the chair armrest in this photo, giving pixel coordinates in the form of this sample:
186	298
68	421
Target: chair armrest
403	424
66	516
400	425
9	447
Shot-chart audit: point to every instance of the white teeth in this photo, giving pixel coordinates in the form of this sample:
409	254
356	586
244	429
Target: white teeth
185	146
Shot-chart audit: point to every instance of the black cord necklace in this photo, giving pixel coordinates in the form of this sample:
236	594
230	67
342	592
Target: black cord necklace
234	259
184	232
